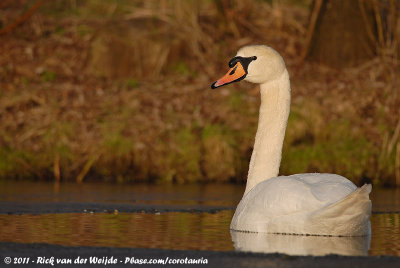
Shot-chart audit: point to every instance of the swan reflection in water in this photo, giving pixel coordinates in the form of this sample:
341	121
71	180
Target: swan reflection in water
300	244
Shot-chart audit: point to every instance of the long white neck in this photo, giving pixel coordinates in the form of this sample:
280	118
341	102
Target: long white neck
274	112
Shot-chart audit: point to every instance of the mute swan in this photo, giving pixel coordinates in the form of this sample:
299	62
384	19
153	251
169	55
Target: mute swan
312	204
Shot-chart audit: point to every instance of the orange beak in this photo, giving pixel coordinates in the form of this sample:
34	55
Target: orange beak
236	73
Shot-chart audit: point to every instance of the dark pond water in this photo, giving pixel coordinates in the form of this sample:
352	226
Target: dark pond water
194	194
177	230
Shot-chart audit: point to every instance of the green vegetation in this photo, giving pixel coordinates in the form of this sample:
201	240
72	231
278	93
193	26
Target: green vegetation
220	152
48	76
335	146
132	83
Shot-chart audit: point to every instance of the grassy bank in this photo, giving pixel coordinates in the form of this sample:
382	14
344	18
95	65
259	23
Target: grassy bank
120	91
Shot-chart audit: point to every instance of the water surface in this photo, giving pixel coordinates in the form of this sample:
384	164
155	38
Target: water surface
166	194
198	231
383	200
176	230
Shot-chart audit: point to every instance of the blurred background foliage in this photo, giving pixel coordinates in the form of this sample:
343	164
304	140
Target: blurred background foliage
118	90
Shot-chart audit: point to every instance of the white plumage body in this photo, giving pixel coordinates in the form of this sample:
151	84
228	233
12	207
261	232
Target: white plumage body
314	204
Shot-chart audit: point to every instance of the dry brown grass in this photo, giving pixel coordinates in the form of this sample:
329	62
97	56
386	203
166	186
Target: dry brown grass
121	91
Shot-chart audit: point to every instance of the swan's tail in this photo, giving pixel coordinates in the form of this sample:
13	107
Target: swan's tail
348	217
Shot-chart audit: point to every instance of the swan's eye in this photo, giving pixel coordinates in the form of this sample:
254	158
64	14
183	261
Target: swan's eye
245	61
233	71
233	61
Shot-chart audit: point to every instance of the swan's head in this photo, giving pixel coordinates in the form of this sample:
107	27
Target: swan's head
256	64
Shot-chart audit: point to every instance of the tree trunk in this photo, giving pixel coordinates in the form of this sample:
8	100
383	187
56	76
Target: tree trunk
344	33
